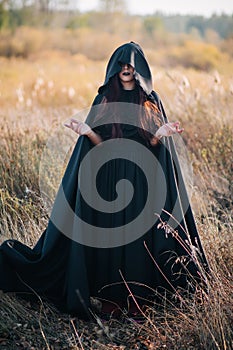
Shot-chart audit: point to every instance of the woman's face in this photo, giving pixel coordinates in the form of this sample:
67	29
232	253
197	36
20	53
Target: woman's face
127	73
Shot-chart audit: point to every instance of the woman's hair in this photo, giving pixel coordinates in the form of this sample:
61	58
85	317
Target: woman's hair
149	116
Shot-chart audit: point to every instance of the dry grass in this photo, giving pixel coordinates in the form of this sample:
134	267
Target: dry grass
38	95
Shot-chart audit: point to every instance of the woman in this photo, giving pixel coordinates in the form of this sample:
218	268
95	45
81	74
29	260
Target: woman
121	219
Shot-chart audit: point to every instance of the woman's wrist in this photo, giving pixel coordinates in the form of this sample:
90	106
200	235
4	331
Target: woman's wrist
158	135
95	138
155	140
90	133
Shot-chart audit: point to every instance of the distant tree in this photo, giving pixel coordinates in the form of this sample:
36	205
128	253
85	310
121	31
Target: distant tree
195	34
175	23
67	5
211	36
152	24
43	5
223	25
79	21
4	17
198	22
112	5
22	3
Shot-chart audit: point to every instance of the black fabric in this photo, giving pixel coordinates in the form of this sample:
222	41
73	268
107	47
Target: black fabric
69	273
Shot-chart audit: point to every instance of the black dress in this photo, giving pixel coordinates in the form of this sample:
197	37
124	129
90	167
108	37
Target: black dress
67	269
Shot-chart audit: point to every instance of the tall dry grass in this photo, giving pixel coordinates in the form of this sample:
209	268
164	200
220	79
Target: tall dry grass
39	95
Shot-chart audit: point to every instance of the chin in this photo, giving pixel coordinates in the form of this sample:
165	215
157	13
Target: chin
126	80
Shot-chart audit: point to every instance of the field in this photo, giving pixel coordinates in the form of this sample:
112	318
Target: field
37	95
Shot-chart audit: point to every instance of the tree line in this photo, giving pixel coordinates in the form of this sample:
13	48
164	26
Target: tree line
65	13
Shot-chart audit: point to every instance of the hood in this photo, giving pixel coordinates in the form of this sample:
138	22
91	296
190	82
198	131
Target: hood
130	53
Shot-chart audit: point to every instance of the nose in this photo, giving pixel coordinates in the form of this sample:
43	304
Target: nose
125	66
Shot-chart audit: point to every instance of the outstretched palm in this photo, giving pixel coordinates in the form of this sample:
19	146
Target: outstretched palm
80	128
169	129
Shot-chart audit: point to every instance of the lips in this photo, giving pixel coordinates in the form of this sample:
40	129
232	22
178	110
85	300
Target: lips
126	73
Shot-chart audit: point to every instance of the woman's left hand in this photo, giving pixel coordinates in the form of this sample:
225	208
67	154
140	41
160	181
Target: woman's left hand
79	127
169	129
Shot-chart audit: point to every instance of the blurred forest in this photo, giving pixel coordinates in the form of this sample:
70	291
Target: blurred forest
28	27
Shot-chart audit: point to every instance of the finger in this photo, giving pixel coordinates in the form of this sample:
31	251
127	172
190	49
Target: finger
173	123
75	121
176	125
67	125
170	128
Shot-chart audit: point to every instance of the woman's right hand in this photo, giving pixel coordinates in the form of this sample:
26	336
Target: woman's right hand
80	128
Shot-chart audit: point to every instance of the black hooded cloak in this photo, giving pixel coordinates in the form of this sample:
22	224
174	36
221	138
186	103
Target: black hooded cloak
67	268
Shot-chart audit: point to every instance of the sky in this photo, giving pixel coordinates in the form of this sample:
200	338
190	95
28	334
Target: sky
198	7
